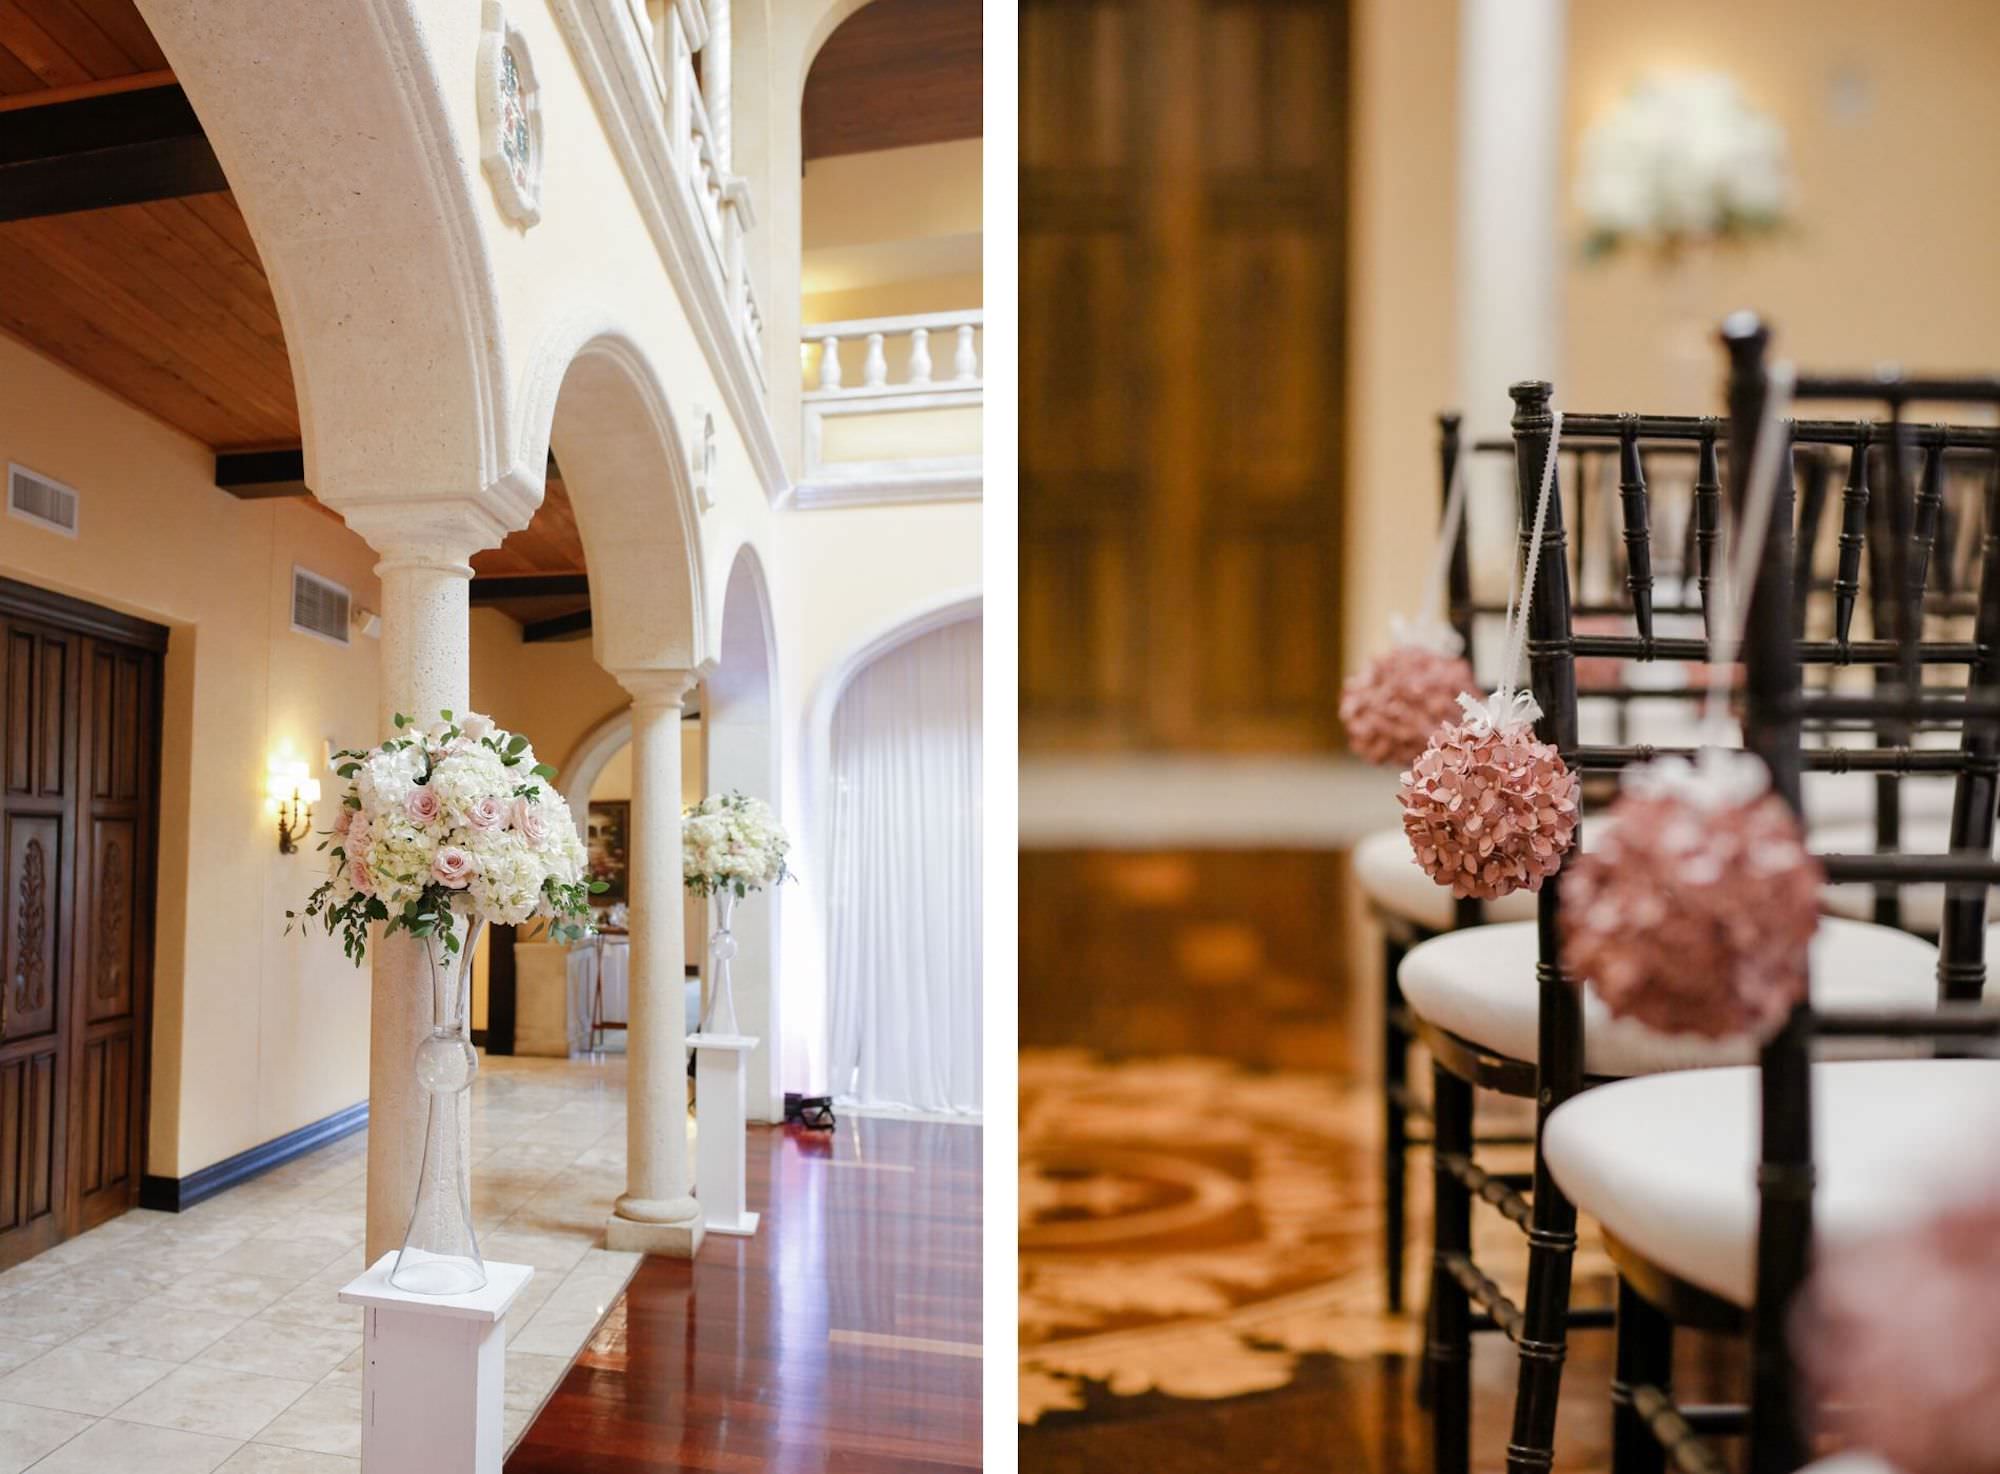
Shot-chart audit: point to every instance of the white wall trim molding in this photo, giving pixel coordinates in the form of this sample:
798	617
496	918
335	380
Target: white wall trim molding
889	490
617	67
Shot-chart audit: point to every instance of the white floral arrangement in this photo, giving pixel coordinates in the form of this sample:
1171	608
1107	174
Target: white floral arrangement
453	821
732	845
1682	159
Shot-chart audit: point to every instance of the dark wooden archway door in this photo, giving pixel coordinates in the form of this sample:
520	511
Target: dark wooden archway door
79	775
1183	281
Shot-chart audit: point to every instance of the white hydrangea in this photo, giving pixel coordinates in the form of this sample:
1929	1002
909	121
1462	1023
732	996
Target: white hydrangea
1682	158
733	843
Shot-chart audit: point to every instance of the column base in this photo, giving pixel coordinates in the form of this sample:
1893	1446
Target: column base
672	1240
673	1227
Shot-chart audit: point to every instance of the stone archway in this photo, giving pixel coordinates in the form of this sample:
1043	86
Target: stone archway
804	1037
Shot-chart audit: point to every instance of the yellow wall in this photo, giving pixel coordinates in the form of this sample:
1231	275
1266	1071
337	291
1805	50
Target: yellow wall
1889	111
889	218
1401	342
1896	208
254	1033
896	299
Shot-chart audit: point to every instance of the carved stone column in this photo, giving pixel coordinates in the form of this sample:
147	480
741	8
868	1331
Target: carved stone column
426	667
658	1213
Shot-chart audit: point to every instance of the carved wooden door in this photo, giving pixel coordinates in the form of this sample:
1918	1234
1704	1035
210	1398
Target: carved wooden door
1182	299
79	742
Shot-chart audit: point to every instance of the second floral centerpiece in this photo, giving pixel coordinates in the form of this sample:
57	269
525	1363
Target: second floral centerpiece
731	845
442	830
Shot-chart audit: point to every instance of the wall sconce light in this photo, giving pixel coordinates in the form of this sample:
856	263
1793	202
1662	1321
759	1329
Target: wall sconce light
292	794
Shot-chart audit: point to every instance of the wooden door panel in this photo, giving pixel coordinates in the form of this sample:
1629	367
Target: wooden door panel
107	969
79	733
30	984
1182	297
29	1190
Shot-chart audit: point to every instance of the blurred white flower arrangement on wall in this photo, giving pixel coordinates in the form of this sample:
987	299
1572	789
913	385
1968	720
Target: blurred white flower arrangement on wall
1682	160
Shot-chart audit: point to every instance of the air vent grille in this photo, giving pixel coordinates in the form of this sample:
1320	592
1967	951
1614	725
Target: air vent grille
319	607
37	499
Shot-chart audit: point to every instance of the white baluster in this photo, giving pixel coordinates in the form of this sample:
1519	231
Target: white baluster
875	370
829	357
966	363
920	355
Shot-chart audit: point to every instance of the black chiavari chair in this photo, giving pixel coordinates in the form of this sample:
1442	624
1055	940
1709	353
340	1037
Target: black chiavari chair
1407	905
1496	1011
1710	1191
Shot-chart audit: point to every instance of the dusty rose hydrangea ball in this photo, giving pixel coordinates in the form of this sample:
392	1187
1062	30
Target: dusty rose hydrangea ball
1899	1352
1489	811
1692	918
1392	704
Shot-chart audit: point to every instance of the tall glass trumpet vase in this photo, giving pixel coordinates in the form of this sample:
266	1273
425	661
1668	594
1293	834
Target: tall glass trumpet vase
721	1016
440	1255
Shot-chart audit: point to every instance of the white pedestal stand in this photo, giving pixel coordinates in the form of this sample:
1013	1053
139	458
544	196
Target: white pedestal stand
433	1373
719	1115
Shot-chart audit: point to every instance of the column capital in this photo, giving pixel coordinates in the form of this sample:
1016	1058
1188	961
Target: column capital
440	533
658	688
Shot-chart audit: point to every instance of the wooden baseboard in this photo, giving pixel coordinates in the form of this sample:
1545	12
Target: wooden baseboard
176	1194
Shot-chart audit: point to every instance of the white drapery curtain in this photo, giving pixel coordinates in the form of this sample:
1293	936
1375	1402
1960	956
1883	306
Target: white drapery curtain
903	878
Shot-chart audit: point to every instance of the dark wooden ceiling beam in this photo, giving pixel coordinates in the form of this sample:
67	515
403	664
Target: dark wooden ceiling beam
255	474
562	627
498	588
91	153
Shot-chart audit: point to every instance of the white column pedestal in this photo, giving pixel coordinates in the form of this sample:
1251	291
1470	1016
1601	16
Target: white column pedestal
433	1373
720	1061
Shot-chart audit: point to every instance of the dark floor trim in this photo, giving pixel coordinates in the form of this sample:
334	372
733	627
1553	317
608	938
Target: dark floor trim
177	1194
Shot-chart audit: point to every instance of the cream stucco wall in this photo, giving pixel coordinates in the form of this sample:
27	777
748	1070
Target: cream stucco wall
255	1033
1889	111
1891	269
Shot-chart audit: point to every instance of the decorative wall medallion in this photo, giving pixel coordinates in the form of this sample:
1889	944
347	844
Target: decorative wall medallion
510	118
31	970
112	917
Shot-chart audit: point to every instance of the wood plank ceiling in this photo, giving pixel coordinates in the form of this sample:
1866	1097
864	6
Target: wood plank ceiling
895	74
166	304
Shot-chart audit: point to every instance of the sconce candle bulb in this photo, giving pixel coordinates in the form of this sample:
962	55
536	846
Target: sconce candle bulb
292	796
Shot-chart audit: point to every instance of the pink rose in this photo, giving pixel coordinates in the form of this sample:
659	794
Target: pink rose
360	834
452	867
488	813
358	876
529	821
476	725
423	806
344	820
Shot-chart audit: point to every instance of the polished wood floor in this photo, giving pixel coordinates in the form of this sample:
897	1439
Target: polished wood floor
843	1338
1201	1198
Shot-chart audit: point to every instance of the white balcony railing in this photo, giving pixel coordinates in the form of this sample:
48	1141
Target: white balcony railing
892	409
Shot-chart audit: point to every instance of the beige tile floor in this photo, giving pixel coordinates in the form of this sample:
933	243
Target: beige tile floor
167	1343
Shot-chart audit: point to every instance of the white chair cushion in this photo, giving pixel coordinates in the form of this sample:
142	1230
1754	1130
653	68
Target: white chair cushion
1480	985
1923	834
1386	869
1668	1164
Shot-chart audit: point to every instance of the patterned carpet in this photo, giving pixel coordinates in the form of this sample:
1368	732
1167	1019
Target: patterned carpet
1200	1189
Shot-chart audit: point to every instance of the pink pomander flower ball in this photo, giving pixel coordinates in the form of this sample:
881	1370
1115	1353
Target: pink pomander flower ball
1392	704
1898	1346
1489	809
1693	917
